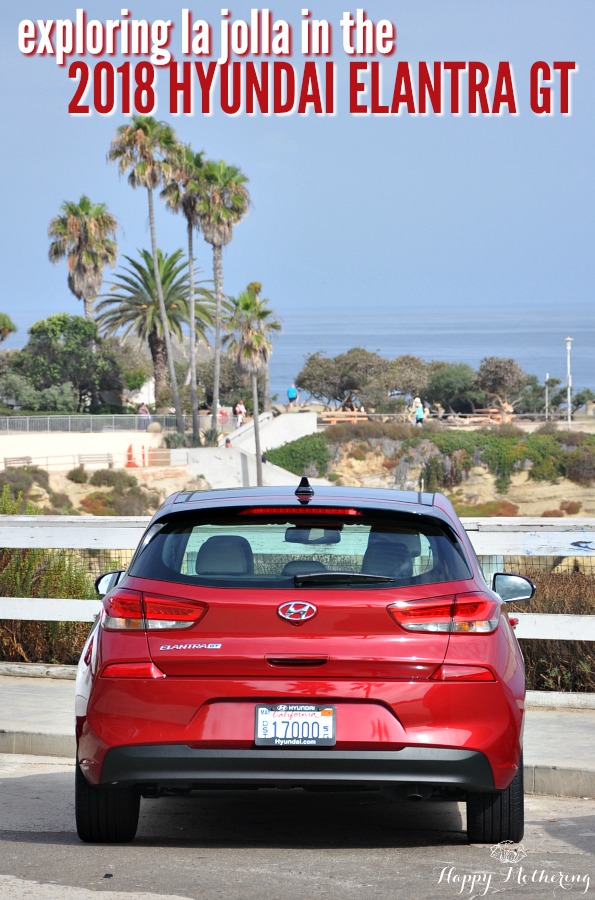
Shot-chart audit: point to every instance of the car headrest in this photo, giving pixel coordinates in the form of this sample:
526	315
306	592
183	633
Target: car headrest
303	567
385	556
224	554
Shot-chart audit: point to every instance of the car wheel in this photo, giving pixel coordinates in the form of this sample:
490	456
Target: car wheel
495	816
105	815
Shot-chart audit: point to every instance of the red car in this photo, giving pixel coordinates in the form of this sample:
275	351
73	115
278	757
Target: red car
328	638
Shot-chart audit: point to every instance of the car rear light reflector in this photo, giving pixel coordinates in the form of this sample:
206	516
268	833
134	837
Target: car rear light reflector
462	673
132	670
133	611
463	614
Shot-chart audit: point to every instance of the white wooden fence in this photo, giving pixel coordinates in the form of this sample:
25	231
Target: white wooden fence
493	538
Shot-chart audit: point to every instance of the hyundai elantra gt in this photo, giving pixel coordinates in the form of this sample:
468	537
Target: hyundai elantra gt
328	638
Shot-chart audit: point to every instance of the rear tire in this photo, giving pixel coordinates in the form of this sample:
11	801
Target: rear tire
105	815
495	816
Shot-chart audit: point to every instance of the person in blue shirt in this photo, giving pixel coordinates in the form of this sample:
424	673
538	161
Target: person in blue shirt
292	395
418	411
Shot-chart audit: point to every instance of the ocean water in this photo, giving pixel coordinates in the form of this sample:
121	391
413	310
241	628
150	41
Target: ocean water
534	338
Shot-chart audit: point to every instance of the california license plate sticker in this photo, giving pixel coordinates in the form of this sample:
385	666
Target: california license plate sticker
295	725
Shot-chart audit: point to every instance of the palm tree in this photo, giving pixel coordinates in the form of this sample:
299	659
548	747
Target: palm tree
268	325
183	193
249	344
132	306
223	205
84	234
142	148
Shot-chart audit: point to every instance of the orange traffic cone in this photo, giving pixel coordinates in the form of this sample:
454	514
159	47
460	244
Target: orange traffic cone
130	463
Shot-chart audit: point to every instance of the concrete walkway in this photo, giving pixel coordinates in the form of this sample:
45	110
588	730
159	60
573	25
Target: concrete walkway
37	717
236	467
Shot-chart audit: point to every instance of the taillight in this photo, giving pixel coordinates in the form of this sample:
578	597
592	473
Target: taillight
123	610
465	613
476	613
126	610
423	615
169	612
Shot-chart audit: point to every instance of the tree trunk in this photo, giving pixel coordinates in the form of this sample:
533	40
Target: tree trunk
191	307
88	306
163	313
159	358
266	388
218	279
256	429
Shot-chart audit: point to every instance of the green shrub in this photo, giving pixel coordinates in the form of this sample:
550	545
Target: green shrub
174	440
490	508
78	475
115	478
346	432
125	499
210	437
308	455
98	504
559	665
137	501
545	452
40	573
21	480
581	465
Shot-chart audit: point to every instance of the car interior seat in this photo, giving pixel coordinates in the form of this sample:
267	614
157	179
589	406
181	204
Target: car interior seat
224	554
386	555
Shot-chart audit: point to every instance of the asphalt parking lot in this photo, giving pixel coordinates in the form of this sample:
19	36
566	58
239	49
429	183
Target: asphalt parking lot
281	845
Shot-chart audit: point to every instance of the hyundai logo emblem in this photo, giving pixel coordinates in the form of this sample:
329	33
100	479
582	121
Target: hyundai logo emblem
296	612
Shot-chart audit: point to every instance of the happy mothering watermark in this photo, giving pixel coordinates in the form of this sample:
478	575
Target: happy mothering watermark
479	883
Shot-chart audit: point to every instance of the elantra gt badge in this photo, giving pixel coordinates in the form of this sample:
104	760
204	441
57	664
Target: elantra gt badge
190	647
297	612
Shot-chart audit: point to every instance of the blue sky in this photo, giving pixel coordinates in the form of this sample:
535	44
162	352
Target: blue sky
347	212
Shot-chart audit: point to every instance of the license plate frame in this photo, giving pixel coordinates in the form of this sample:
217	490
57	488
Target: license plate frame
295	725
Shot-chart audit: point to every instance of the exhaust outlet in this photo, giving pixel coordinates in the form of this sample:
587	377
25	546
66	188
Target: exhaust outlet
419	792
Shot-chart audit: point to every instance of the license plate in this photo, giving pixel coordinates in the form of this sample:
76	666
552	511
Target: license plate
295	725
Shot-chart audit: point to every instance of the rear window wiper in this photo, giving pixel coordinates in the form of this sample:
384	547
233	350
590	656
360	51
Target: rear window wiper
340	578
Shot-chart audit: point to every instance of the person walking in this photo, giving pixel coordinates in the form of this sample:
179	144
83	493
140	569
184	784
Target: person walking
292	395
240	412
145	416
418	411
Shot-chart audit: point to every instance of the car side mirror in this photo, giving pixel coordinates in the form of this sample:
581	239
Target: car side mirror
106	582
513	588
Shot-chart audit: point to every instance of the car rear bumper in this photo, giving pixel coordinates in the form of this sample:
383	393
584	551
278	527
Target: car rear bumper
176	766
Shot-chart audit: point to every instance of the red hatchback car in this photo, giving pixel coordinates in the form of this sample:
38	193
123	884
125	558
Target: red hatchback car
328	638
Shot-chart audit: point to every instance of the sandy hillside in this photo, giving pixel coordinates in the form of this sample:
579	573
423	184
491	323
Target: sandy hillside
533	498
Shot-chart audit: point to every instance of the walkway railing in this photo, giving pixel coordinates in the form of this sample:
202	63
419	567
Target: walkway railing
570	542
87	424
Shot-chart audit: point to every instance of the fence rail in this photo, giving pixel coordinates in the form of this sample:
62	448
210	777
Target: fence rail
87	424
571	540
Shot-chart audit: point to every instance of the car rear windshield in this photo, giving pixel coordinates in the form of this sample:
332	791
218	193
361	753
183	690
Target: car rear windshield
275	550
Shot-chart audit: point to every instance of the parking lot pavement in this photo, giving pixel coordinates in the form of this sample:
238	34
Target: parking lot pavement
283	845
37	717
